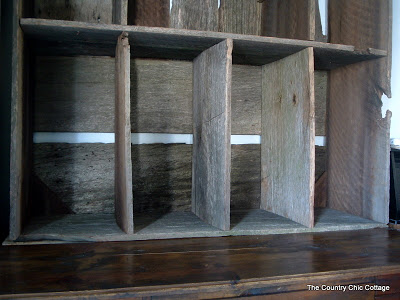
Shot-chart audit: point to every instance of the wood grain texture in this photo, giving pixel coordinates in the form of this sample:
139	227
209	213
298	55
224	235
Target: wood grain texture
245	177
74	38
321	191
81	176
293	19
173	112
239	16
154	13
358	159
161	96
211	169
321	93
320	161
120	12
95	11
199	268
18	155
172	225
287	144
371	28
74	94
123	161
161	178
194	14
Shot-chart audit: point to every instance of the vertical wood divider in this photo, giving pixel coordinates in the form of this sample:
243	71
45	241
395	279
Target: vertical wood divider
212	135
287	137
123	162
18	150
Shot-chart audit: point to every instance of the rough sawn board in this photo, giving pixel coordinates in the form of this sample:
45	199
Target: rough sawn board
211	135
287	138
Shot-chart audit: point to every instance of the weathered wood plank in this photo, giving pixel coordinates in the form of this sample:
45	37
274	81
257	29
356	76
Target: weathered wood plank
102	227
154	13
18	155
245	177
320	161
173	112
95	11
371	28
161	177
148	42
239	16
293	19
123	161
287	144
74	94
212	134
321	191
358	160
80	177
194	14
321	93
120	12
161	96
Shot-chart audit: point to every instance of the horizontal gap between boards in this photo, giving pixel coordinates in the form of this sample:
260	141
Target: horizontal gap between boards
142	138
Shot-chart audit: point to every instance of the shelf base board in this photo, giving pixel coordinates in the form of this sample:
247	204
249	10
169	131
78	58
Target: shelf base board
102	227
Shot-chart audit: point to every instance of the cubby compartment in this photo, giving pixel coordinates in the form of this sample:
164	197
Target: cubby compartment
206	161
75	186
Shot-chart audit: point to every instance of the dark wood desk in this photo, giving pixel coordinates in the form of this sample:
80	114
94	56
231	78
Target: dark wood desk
206	267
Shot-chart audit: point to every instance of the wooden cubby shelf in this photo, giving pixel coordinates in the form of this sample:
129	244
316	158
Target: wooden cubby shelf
211	69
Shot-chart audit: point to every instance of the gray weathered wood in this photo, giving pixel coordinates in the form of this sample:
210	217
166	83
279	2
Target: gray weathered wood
75	38
74	94
245	177
212	135
194	14
161	96
162	178
294	19
120	12
171	103
358	136
320	161
18	174
321	93
287	144
154	13
239	16
78	178
81	176
123	161
95	11
321	191
102	227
